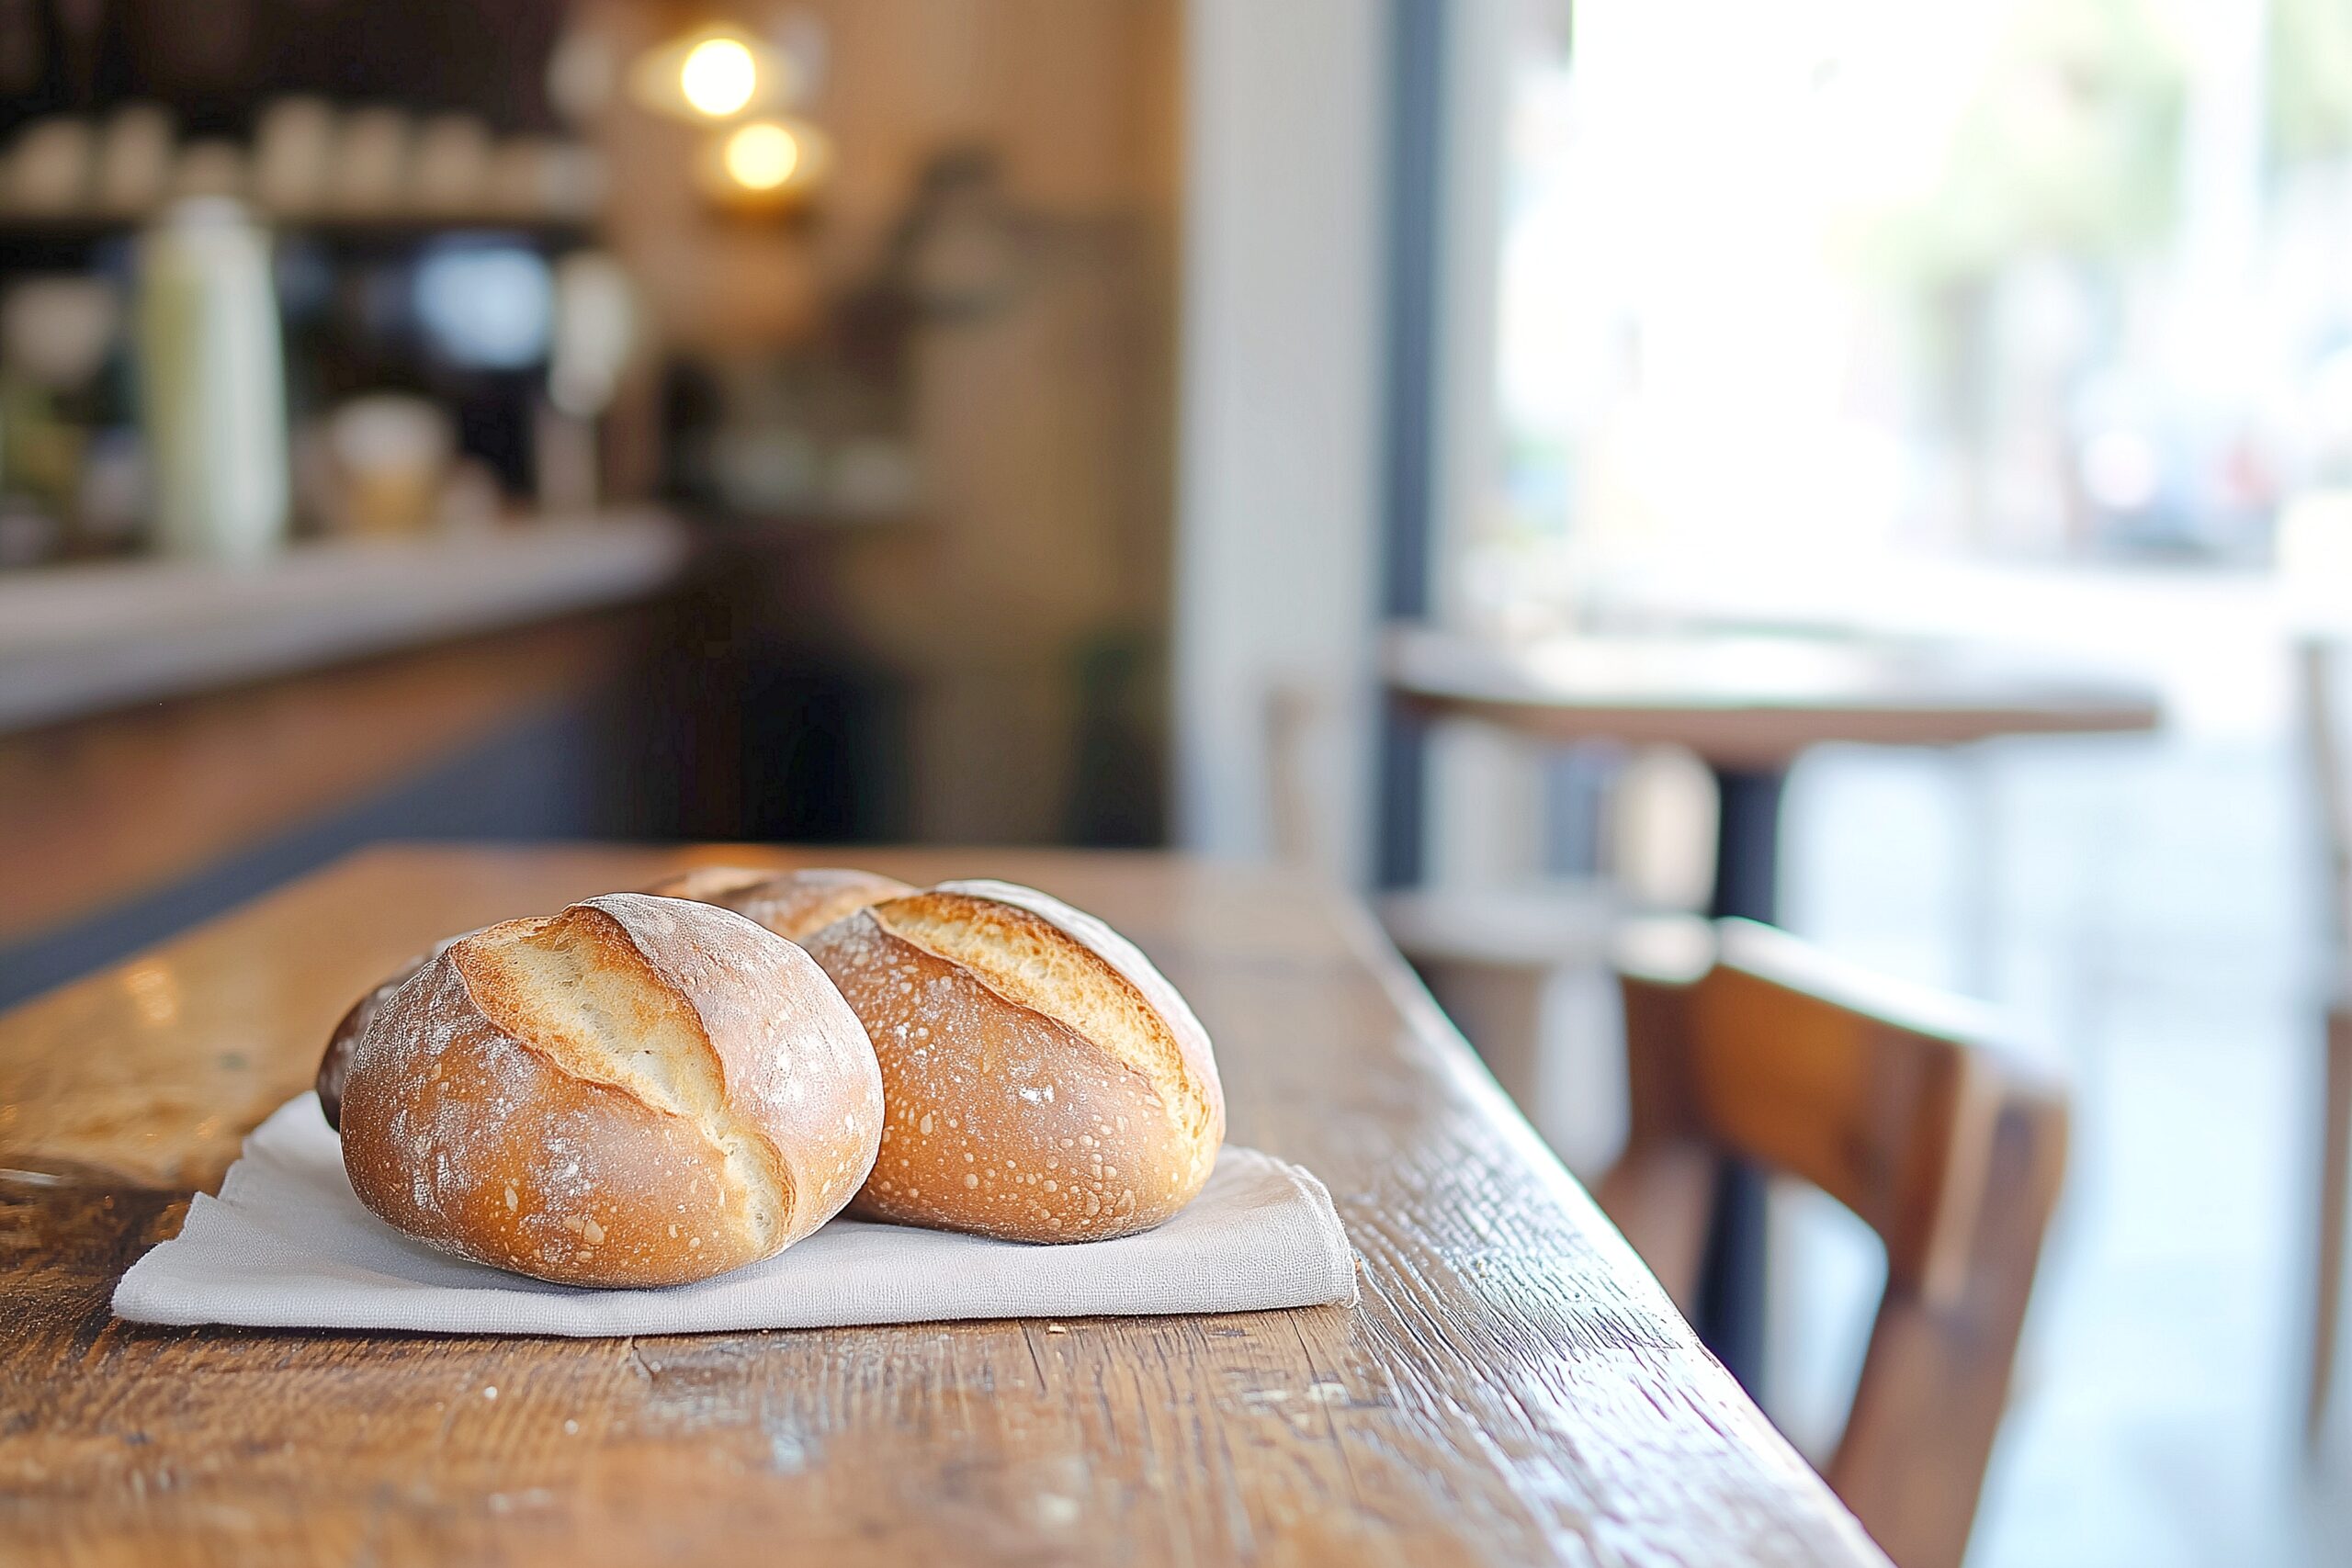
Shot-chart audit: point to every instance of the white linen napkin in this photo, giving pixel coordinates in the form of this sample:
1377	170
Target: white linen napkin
286	1245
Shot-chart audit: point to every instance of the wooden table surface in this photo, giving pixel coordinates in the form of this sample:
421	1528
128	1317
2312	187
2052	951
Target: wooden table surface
1756	700
1512	1388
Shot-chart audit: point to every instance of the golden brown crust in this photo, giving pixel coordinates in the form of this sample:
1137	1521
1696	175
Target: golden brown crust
334	1063
703	884
819	1101
709	883
792	904
637	1091
798	903
1006	1116
1189	1079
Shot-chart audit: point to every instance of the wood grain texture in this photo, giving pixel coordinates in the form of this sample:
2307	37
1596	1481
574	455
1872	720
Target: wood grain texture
1899	1107
1513	1386
1753	701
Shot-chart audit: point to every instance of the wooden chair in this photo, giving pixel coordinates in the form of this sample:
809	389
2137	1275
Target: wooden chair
2332	795
1743	1042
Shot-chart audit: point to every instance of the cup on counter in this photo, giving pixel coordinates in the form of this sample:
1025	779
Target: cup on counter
56	329
449	174
293	147
55	334
135	160
209	168
574	184
370	173
49	167
542	176
389	455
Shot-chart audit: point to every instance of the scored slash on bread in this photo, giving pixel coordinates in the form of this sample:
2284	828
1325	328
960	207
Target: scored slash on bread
638	1090
791	903
1043	1080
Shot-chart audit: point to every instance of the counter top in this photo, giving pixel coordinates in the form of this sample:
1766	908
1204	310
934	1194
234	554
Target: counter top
1513	1386
77	640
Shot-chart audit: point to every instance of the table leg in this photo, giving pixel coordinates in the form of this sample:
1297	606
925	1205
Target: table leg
1730	1316
1402	810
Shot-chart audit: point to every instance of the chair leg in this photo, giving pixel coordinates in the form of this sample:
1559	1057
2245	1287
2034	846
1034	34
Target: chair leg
2335	1157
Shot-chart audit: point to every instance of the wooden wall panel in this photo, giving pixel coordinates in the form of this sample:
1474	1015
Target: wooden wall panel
1042	429
104	810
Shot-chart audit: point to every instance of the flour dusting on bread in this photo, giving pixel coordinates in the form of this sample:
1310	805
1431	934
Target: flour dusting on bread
638	1090
1043	1081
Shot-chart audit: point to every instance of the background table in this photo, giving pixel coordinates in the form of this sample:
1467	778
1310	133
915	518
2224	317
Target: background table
1513	1386
1748	705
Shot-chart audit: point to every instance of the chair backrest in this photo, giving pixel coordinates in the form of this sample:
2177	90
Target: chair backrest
2321	697
1893	1104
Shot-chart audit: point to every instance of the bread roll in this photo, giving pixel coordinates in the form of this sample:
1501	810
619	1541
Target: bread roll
792	904
704	884
637	1091
335	1064
709	883
1044	1081
798	903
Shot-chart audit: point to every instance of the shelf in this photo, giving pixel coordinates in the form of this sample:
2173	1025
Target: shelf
89	228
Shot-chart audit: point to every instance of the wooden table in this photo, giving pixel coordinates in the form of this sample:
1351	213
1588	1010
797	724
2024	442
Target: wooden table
1749	704
1753	702
1513	1386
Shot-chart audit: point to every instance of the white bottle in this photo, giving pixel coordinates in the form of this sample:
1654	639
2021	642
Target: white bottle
212	382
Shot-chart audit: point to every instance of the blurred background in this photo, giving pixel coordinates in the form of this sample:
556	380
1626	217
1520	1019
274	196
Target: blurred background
1357	432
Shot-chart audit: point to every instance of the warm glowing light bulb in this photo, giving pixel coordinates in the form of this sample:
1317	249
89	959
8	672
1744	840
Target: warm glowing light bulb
762	156
719	77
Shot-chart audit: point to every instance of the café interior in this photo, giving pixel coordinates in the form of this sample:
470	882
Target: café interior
1858	494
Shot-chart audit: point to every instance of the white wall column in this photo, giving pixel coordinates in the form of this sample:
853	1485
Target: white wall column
1278	493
